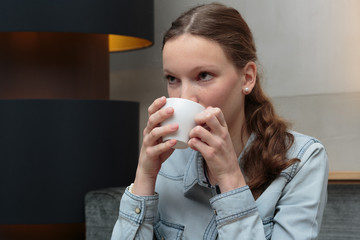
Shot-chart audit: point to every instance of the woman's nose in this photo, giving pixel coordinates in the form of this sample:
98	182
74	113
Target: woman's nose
188	92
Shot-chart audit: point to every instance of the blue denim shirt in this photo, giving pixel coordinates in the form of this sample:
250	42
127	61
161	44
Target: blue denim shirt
185	207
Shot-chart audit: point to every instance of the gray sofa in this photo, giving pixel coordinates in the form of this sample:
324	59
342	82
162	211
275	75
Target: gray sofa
341	217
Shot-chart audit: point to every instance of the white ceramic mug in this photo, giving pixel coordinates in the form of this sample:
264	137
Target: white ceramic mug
184	115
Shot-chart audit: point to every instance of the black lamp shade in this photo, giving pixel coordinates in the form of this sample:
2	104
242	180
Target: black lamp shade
120	17
52	152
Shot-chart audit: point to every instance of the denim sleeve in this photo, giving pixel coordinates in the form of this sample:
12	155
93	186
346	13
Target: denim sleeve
298	213
136	217
301	206
236	215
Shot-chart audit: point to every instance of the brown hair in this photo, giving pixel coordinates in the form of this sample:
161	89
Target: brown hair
266	158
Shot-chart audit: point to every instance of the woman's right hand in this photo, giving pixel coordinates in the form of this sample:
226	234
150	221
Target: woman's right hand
153	150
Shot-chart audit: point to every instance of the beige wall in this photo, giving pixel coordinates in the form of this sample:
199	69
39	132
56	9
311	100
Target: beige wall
309	52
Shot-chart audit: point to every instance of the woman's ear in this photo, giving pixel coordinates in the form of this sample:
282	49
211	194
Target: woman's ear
249	77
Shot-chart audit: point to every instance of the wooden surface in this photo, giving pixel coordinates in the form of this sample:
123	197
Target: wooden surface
344	177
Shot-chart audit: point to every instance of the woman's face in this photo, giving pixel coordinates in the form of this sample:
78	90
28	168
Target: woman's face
198	69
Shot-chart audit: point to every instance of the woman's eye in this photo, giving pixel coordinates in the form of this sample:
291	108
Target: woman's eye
205	76
170	79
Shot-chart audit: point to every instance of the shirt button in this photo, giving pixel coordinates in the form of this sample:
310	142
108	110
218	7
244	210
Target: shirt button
215	212
137	210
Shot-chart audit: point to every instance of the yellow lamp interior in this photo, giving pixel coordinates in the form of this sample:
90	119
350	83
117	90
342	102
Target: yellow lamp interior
123	43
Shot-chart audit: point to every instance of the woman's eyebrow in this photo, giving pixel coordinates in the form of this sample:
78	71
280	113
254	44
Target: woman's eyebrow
195	69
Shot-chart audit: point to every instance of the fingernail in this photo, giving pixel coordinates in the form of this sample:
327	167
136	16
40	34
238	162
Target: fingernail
169	110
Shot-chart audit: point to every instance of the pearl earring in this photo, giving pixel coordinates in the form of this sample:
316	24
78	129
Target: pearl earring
246	90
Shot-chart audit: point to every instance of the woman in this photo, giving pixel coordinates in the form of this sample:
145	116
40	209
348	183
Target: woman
245	175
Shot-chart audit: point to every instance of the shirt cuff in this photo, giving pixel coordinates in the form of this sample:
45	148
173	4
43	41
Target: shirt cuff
233	205
137	209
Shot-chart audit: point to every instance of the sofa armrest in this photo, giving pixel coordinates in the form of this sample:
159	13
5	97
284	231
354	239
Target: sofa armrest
101	212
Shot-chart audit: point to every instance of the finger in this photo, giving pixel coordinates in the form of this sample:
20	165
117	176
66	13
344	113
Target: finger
200	146
220	116
153	136
212	119
209	138
201	133
156	105
165	155
156	118
205	115
157	150
213	123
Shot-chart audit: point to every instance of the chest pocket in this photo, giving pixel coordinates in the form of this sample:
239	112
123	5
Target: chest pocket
165	230
268	227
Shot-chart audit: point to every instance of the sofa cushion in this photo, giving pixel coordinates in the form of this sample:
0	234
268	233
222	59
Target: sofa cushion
341	217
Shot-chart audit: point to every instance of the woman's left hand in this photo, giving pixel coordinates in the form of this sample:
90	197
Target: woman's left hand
212	139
